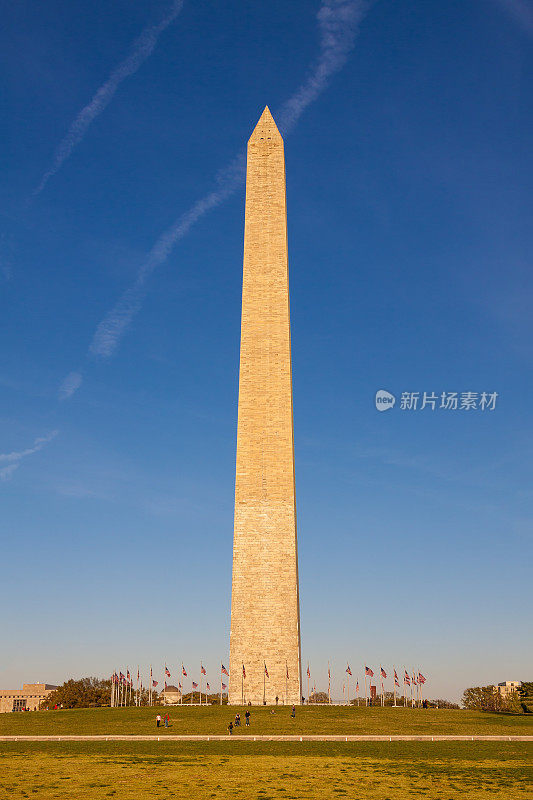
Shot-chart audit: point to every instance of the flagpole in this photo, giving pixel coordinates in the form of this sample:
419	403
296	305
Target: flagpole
286	683
242	684
201	665
264	682
329	685
366	695
394	683
348	681
221	683
308	678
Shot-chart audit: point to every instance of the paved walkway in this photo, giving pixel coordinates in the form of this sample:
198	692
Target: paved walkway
169	737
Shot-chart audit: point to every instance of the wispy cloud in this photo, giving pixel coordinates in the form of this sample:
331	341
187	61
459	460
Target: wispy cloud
12	460
70	385
141	49
521	11
113	326
339	23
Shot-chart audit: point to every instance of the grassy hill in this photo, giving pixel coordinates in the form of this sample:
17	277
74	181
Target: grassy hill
267	720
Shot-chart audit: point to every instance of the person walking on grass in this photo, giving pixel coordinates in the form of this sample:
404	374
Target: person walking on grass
230	728
247	718
167	720
158	720
293	712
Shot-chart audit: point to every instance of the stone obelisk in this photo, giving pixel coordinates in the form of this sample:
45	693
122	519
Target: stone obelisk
265	660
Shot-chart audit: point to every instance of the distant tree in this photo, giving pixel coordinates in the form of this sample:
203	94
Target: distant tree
513	704
319	697
442	704
525	696
488	698
83	693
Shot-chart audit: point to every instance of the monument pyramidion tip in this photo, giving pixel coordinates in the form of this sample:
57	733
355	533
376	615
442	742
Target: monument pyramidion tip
266	128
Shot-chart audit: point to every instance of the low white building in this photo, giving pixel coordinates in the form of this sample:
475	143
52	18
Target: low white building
28	698
507	687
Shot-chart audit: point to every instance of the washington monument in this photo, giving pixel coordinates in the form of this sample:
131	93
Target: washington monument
265	661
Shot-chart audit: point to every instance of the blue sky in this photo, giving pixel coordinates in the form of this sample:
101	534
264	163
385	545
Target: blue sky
407	140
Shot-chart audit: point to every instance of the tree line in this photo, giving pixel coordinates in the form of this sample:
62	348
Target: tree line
488	698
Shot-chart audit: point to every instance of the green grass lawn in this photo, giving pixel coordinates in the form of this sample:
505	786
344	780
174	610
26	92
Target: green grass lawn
264	771
309	720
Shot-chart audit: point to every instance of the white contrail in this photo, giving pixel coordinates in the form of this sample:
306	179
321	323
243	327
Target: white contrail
70	385
12	460
339	23
112	327
141	49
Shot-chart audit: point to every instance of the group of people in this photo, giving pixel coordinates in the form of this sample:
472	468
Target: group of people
231	726
237	722
247	715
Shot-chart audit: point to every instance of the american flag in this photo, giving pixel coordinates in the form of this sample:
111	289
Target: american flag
167	671
369	672
329	673
287	668
138	674
266	671
414	679
165	686
128	673
357	687
183	671
194	685
406	678
154	683
421	678
208	687
224	686
224	670
348	670
383	673
179	685
396	681
122	676
202	669
243	672
308	671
